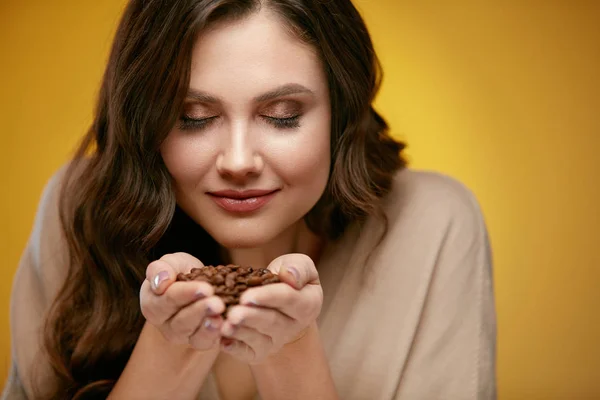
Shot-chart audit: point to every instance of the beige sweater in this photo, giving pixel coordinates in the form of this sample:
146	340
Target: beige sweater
419	324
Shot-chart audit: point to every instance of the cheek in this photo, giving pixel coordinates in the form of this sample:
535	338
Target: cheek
186	157
308	162
304	161
307	165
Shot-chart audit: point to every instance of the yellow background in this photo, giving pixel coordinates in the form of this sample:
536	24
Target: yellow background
505	97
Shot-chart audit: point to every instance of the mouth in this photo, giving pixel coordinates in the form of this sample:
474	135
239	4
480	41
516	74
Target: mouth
240	202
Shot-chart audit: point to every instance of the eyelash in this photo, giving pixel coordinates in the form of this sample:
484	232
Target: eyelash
284	123
192	124
189	124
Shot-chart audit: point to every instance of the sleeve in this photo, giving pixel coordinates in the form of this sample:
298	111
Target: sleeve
36	282
454	348
13	389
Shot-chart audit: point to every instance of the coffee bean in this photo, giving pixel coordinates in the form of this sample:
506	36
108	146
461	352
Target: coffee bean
230	281
273	279
255	281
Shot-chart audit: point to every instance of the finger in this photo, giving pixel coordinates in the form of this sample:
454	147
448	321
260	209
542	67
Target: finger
208	333
163	272
188	320
297	270
296	304
237	349
280	296
259	342
159	308
267	321
247	345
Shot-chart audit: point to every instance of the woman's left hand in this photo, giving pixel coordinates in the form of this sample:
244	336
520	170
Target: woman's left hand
271	316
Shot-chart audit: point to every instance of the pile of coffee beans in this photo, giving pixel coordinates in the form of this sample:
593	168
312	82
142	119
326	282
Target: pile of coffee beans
230	281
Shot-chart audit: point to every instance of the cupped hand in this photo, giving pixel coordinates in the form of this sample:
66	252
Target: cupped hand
186	313
271	316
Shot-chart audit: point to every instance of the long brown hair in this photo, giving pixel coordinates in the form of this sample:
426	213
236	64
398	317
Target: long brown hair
117	206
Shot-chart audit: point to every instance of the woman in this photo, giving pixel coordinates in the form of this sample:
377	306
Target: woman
242	131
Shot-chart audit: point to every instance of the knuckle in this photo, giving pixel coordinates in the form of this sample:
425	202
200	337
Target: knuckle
152	268
169	259
170	298
306	262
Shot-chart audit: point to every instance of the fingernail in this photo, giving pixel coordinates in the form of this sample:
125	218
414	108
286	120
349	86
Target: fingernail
211	312
160	278
250	303
210	325
294	273
199	294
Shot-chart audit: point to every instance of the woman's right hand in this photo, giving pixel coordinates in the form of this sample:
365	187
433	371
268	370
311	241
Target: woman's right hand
184	312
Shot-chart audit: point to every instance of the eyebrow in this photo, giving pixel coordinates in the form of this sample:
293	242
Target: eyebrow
281	91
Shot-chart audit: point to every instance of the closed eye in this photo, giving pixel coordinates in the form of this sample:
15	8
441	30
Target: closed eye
283	123
190	124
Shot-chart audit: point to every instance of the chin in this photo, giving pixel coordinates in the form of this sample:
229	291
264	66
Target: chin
242	237
239	242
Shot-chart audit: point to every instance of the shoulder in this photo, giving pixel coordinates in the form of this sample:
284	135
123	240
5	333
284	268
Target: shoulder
434	200
47	213
40	273
437	247
46	224
47	248
431	216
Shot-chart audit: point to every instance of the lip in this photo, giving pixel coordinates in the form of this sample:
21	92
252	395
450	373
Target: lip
242	201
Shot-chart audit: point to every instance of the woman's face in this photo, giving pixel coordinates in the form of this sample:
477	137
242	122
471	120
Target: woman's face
257	118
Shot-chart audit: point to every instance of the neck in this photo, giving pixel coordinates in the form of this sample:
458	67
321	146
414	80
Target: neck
296	239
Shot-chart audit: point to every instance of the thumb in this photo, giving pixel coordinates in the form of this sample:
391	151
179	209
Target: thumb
291	276
297	270
160	275
163	273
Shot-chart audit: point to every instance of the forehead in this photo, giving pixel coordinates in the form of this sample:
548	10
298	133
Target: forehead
252	54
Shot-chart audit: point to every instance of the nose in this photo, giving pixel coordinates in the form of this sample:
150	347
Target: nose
239	159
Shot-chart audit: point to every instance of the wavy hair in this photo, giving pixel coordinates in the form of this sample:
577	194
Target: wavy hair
117	207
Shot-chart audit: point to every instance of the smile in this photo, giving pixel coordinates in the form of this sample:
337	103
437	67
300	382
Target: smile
242	202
